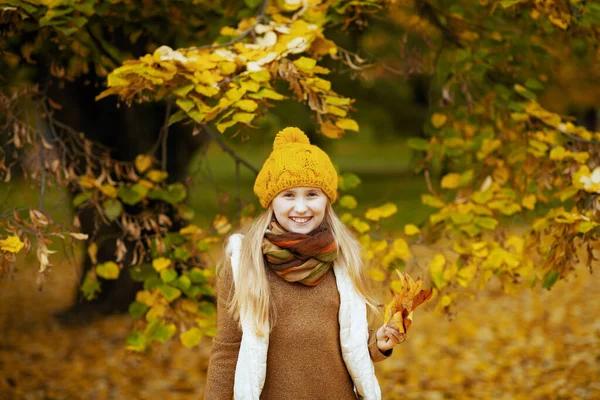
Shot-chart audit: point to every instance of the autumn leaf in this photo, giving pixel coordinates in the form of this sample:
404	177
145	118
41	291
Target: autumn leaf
221	224
438	120
191	337
411	229
407	296
11	244
108	270
161	263
143	162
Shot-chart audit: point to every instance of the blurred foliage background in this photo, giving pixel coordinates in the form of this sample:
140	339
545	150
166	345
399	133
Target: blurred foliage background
54	344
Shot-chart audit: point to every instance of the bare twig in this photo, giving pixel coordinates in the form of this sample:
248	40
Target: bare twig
165	134
228	150
42	159
429	185
259	17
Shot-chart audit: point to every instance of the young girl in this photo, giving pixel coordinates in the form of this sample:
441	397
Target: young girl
292	300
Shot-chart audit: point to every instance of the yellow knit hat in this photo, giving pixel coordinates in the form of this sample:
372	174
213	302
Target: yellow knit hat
295	162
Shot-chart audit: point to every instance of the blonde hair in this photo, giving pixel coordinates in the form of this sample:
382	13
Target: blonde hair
254	295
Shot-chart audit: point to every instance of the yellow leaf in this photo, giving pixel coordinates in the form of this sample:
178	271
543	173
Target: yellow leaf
250	85
348	202
529	201
376	274
156	175
379	245
246	105
411	229
221	224
12	244
436	269
245	118
387	210
260	76
143	162
191	337
161	263
438	120
227	67
360	226
450	181
331	131
92	252
347	124
108	270
400	249
305	63
336	111
109	190
87	181
189	230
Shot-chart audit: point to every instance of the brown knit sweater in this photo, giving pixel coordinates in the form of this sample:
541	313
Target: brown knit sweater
304	360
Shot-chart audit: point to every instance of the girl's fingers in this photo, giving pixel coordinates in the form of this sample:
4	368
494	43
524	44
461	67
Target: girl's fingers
395	335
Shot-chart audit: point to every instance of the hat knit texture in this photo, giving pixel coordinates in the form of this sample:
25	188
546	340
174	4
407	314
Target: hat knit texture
295	162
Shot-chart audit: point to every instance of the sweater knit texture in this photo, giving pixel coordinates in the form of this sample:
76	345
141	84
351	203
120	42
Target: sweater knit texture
304	360
295	162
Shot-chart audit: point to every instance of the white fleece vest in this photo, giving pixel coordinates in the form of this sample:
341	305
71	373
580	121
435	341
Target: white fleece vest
251	368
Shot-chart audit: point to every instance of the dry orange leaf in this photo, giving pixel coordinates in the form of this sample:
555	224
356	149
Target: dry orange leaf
408	295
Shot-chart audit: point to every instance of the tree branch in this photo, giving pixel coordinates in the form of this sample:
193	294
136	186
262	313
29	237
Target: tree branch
427	9
165	134
259	17
228	150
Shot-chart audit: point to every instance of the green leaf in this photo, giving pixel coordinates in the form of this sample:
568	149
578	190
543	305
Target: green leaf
348	202
196	275
486	222
508	3
168	275
253	3
181	254
82	198
550	279
348	181
431	201
112	208
137	309
159	331
152	282
534	84
134	194
174	193
418	144
169	292
90	286
183	283
174	239
191	338
136	341
140	273
267	93
108	270
206	308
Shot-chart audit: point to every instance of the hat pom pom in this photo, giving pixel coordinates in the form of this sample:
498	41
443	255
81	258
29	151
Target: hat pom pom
290	135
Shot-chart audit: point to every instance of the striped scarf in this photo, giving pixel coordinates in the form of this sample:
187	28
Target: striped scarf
297	257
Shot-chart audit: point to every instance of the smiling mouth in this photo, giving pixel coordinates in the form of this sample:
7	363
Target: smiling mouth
301	220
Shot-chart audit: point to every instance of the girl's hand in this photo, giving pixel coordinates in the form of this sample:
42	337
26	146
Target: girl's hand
388	337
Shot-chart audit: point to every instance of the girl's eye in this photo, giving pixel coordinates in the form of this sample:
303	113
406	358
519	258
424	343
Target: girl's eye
313	194
288	195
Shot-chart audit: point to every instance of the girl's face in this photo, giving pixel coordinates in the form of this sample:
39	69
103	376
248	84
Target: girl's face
300	209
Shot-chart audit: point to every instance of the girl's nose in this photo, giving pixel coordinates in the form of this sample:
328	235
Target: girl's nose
300	206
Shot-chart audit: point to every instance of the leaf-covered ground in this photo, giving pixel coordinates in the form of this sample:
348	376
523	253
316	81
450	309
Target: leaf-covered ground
532	345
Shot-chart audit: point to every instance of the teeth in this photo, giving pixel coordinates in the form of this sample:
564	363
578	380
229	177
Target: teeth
300	220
